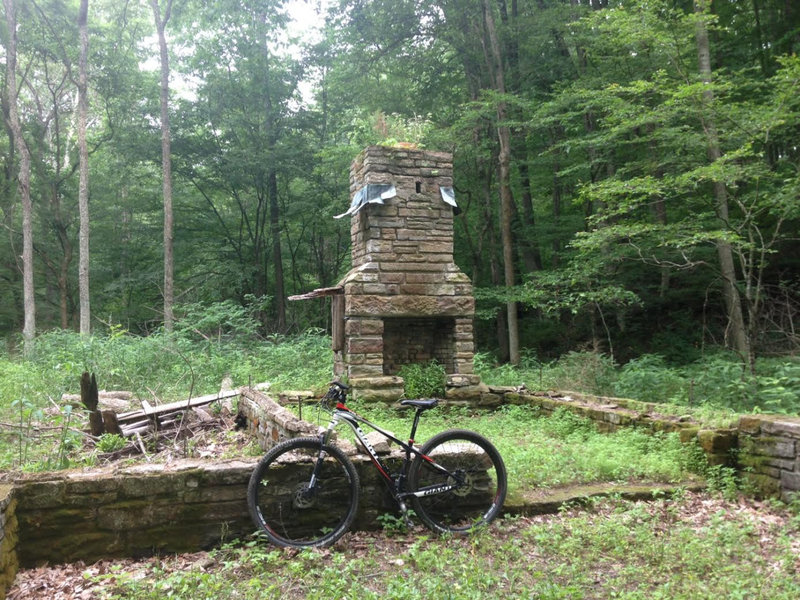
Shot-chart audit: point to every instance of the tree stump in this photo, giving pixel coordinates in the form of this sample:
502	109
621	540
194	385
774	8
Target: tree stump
89	397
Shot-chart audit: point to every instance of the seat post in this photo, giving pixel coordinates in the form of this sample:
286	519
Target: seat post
417	415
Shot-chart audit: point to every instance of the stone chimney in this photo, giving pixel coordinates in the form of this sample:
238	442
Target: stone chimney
404	300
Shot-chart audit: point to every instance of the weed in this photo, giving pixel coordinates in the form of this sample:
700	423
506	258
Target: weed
423	380
111	442
394	524
723	480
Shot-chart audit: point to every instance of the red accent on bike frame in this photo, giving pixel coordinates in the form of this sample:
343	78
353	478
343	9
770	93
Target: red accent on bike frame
340	406
426	457
378	466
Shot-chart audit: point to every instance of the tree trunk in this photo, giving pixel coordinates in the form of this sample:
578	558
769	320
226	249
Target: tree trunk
506	197
166	164
277	257
736	331
527	239
83	185
29	301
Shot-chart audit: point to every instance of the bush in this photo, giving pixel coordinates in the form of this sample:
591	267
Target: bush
423	380
110	442
649	377
588	372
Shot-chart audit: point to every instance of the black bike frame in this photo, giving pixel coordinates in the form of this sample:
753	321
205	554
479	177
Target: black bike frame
396	485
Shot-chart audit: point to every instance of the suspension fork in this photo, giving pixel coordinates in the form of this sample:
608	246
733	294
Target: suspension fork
324	438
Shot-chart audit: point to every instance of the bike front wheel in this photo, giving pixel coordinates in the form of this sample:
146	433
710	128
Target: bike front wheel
303	494
472	473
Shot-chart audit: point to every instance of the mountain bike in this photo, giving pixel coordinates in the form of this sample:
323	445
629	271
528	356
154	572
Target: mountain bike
305	491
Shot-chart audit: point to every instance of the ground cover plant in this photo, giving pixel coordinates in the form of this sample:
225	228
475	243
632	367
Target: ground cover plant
682	547
714	386
40	432
553	450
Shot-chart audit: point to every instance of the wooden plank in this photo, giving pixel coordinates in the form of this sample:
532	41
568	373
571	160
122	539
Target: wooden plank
318	293
149	410
337	323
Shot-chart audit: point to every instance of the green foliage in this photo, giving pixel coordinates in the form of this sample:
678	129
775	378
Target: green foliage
423	380
673	548
110	442
723	480
389	130
713	387
649	375
171	366
394	524
587	372
226	319
718	380
561	449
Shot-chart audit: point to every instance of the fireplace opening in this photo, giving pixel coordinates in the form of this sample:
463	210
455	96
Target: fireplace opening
418	340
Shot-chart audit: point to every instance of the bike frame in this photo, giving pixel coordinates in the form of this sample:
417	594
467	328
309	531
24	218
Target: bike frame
342	414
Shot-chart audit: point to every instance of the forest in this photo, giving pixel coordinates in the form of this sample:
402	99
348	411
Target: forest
627	169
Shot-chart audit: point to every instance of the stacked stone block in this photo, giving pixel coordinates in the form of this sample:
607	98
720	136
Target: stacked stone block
185	506
269	422
769	454
403	271
8	538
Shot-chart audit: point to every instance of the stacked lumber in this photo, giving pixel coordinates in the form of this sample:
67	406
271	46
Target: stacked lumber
162	416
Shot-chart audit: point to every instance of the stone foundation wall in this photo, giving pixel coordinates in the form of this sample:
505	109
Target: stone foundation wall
268	421
147	509
8	538
769	454
190	505
763	449
132	511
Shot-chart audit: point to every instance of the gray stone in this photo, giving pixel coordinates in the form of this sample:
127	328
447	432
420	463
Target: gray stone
783	427
790	481
378	442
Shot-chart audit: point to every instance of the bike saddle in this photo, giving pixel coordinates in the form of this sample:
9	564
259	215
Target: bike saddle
423	403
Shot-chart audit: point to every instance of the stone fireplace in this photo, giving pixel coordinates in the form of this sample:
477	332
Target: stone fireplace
404	300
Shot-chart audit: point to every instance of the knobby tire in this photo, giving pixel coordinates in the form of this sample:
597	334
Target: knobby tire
477	470
283	508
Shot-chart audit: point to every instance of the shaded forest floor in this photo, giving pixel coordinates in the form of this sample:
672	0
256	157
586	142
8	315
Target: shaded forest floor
688	545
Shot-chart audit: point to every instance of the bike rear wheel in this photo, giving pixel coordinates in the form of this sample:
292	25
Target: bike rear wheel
291	509
470	463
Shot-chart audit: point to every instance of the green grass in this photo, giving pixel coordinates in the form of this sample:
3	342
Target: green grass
681	548
715	387
561	449
164	367
158	367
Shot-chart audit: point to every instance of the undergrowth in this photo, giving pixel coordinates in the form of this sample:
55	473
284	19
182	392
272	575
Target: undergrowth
715	385
671	549
220	343
560	449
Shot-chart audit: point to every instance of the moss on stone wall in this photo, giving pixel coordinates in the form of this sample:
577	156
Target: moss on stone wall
9	528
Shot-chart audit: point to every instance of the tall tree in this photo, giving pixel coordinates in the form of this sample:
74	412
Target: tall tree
83	186
507	207
161	20
736	330
239	144
29	301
